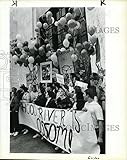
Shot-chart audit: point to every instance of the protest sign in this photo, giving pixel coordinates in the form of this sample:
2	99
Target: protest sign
60	78
46	72
81	84
71	131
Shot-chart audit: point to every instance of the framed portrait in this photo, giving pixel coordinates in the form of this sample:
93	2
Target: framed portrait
46	72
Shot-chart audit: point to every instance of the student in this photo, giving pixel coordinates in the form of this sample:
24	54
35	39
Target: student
96	114
33	94
50	103
14	108
41	99
26	95
63	101
25	99
79	99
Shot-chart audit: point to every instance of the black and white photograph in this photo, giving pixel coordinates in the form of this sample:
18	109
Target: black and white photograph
63	113
46	72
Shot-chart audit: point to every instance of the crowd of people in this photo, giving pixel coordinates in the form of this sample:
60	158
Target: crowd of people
70	97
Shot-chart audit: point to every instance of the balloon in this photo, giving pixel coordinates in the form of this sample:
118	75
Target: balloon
31	59
68	35
26	64
31	66
55	64
44	17
70	10
19	45
54	58
93	39
19	62
63	50
19	37
49	21
36	29
26	49
53	20
62	21
48	47
45	25
66	43
58	52
39	24
74	57
36	45
56	23
72	23
48	53
70	39
49	15
78	25
79	46
15	58
72	50
46	41
86	45
12	51
77	11
69	16
91	50
22	58
25	43
91	30
41	51
38	59
31	50
83	52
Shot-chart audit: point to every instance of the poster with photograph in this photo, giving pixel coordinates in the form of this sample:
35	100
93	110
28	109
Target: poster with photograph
46	72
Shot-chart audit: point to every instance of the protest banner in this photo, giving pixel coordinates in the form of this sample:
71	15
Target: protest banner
72	131
60	78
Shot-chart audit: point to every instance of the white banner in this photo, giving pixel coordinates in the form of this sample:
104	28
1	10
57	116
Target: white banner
71	131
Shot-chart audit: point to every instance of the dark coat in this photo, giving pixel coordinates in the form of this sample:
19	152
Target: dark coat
41	100
64	103
51	104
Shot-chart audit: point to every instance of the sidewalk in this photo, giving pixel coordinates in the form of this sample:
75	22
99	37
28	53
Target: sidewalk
26	144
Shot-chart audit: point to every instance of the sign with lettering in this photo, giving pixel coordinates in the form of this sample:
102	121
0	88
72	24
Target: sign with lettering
60	78
72	131
81	84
